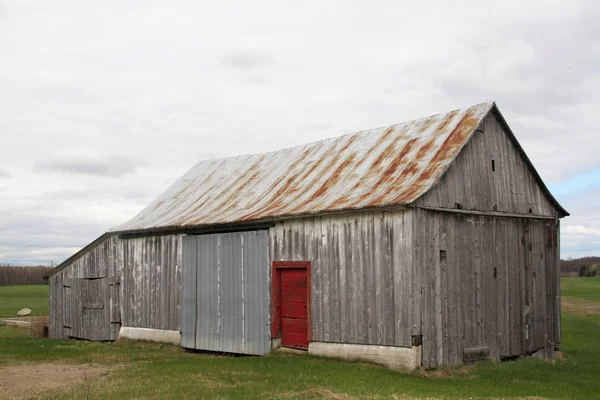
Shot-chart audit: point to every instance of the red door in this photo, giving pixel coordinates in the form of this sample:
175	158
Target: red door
293	307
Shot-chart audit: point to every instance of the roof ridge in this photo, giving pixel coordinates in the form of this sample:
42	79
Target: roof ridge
390	165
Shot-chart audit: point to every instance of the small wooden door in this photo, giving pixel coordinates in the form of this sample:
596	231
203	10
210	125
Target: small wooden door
292	297
92	308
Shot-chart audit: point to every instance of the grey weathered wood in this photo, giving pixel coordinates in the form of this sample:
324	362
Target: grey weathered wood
472	183
361	288
509	313
377	275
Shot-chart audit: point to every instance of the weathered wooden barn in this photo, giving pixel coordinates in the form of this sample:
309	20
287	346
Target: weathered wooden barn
428	243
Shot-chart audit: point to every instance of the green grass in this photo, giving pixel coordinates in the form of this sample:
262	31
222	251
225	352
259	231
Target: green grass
583	288
14	298
164	371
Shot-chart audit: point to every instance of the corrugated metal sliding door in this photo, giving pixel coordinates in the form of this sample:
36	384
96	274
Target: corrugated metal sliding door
225	295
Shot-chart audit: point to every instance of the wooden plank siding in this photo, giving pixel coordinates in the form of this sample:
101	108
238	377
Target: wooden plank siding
488	282
152	282
143	286
471	181
103	262
362	278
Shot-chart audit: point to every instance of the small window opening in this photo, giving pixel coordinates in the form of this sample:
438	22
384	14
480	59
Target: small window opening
495	272
531	211
442	255
494	165
458	206
417	340
495	208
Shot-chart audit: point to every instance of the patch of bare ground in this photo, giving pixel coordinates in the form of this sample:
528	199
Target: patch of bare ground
580	307
324	393
212	381
464	371
317	393
23	381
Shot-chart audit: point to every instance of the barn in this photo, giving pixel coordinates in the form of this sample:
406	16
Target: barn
423	244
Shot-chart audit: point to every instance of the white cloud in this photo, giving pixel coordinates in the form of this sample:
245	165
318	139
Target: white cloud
103	105
580	231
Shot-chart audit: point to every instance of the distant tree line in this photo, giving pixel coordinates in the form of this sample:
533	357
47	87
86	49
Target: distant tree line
18	275
585	266
589	270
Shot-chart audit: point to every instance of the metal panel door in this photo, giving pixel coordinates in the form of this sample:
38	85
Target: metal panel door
225	296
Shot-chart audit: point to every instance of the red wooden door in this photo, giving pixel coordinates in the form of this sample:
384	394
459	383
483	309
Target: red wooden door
294	307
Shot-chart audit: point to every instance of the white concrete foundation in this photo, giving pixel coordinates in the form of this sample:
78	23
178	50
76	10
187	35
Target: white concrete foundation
275	344
154	335
398	358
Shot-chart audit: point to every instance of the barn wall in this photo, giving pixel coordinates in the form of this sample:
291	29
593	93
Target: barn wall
105	260
152	282
362	275
473	183
495	287
148	274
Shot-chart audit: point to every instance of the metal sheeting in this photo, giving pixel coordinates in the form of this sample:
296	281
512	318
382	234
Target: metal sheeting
380	167
225	294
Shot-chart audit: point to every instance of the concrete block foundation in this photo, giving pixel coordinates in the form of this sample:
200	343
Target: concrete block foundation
154	335
397	358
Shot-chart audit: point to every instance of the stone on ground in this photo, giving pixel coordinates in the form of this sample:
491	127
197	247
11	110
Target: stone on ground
24	312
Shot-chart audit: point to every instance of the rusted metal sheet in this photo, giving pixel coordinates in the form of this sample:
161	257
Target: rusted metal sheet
381	167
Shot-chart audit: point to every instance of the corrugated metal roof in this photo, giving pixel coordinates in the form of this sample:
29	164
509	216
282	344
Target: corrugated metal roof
380	167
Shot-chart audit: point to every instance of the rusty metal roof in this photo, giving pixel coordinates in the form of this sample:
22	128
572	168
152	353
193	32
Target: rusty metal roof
381	167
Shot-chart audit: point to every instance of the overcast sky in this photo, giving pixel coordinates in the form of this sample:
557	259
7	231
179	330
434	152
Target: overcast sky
103	104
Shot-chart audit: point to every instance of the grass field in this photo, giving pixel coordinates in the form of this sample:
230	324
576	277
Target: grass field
14	298
582	288
146	370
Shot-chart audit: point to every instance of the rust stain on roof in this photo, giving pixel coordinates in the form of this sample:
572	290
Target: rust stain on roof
381	167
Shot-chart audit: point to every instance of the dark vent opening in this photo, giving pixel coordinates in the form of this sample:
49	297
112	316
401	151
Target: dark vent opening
417	340
494	165
531	211
442	255
458	206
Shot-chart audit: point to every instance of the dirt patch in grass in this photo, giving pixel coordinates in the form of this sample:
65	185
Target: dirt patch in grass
580	307
22	381
324	393
212	381
464	371
317	393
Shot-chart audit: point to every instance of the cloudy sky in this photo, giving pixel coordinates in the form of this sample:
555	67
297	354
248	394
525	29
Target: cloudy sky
104	104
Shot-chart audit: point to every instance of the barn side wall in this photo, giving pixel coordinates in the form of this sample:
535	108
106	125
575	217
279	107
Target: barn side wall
490	286
362	275
148	271
152	282
472	181
105	260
